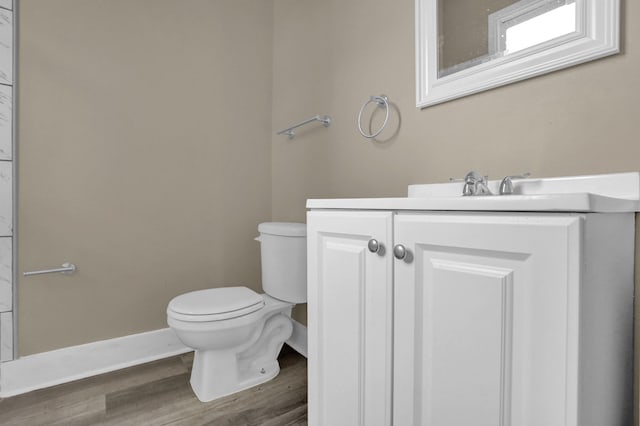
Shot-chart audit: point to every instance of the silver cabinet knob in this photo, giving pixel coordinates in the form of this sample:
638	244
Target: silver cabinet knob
373	245
399	251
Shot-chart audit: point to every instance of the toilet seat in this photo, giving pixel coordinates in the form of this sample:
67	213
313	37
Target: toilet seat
215	304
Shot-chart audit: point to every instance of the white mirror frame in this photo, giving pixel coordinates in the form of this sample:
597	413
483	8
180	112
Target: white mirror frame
597	35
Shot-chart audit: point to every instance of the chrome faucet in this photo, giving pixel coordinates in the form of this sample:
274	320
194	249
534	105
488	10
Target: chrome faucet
475	184
506	186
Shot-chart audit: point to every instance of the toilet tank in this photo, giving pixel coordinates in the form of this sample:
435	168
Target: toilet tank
284	260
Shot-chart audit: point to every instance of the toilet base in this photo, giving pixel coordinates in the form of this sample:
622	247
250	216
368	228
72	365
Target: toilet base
218	373
209	382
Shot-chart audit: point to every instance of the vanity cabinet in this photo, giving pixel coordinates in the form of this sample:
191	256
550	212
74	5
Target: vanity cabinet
350	314
490	319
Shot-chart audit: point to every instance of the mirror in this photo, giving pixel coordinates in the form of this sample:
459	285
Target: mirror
467	46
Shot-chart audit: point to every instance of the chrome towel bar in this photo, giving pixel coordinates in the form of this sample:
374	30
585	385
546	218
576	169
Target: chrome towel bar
67	269
324	119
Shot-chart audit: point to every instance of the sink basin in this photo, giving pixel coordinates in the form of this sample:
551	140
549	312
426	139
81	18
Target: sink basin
607	193
602	193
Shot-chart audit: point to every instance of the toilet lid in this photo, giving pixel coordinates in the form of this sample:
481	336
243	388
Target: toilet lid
216	304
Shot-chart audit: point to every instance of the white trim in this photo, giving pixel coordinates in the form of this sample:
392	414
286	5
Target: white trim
298	339
65	365
52	368
598	35
14	159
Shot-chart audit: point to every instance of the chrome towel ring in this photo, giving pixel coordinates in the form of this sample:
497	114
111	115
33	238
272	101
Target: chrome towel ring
383	102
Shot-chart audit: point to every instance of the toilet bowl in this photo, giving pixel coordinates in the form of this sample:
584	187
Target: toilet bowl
235	348
237	333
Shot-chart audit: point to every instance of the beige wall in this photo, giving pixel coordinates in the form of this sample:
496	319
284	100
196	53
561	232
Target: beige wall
575	121
144	157
151	127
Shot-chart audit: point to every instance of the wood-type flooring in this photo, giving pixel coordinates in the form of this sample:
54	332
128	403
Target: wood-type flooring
158	393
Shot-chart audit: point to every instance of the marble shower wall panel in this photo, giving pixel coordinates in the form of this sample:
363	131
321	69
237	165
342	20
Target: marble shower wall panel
6	181
6	107
6	46
6	298
6	199
6	336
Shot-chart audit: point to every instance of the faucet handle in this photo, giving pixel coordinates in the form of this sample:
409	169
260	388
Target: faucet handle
475	184
474	176
506	186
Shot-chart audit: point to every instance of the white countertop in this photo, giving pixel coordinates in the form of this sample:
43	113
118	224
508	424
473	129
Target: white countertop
610	193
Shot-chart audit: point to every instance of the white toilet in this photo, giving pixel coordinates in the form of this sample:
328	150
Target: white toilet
237	333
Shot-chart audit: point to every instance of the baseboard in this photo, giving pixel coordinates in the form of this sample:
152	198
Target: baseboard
52	368
298	339
65	365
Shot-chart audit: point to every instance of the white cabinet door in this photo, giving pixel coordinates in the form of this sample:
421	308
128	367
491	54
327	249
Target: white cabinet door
350	318
486	319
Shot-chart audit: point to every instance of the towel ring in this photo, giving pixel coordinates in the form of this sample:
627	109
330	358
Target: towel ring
383	102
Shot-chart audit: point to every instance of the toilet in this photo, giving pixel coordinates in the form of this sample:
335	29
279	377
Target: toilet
237	333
